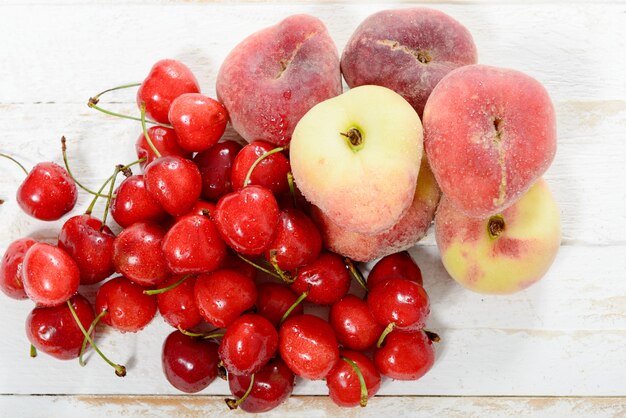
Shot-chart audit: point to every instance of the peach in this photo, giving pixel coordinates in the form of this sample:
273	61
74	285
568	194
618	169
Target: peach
489	134
503	253
403	235
274	76
408	51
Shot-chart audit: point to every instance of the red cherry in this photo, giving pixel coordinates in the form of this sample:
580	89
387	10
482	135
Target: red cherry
49	274
167	80
399	265
401	302
199	208
223	295
309	346
270	172
178	306
327	279
53	330
354	325
164	140
174	182
48	192
297	241
405	355
193	245
11	268
132	203
344	386
215	166
274	299
247	219
249	342
199	121
91	245
128	308
189	364
273	384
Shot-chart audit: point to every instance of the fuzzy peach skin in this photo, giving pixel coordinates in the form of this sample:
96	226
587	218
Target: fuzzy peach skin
403	235
489	134
274	76
482	260
364	188
407	50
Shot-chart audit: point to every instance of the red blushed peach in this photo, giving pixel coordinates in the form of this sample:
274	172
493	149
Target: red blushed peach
503	253
489	134
408	51
410	228
276	75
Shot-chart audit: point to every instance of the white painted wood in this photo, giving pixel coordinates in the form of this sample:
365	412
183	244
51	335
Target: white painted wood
564	337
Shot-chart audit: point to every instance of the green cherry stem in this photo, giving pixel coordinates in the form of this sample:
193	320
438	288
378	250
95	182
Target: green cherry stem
258	267
166	289
292	189
96	98
33	351
384	334
293	306
356	273
119	369
234	404
118	168
95	199
257	161
284	276
69	171
200	335
8	157
89	331
145	131
357	370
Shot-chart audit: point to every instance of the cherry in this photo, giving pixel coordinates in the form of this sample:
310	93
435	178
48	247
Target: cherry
48	192
167	80
308	345
399	265
272	385
54	331
344	383
247	219
273	301
178	305
249	342
405	355
201	207
215	165
132	203
193	245
297	241
223	295
270	172
327	279
49	274
11	268
90	243
137	254
199	121
354	325
189	364
174	182
399	303
164	140
127	308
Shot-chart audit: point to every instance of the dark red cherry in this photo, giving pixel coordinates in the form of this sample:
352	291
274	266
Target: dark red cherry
270	172
54	331
399	265
273	384
178	306
132	203
128	308
274	299
91	245
175	183
167	80
11	268
354	325
49	274
344	386
48	192
215	165
327	279
308	345
189	364
199	121
401	302
164	140
405	355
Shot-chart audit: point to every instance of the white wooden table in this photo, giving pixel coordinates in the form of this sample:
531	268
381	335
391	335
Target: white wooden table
557	349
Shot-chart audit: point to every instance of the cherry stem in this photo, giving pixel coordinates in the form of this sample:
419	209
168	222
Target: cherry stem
258	267
233	404
110	196
119	369
292	189
166	289
67	167
200	335
258	160
96	98
357	370
95	199
284	276
8	157
293	306
33	351
355	272
433	336
89	331
384	334
145	131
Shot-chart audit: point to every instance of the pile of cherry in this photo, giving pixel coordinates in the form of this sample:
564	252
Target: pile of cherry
220	243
